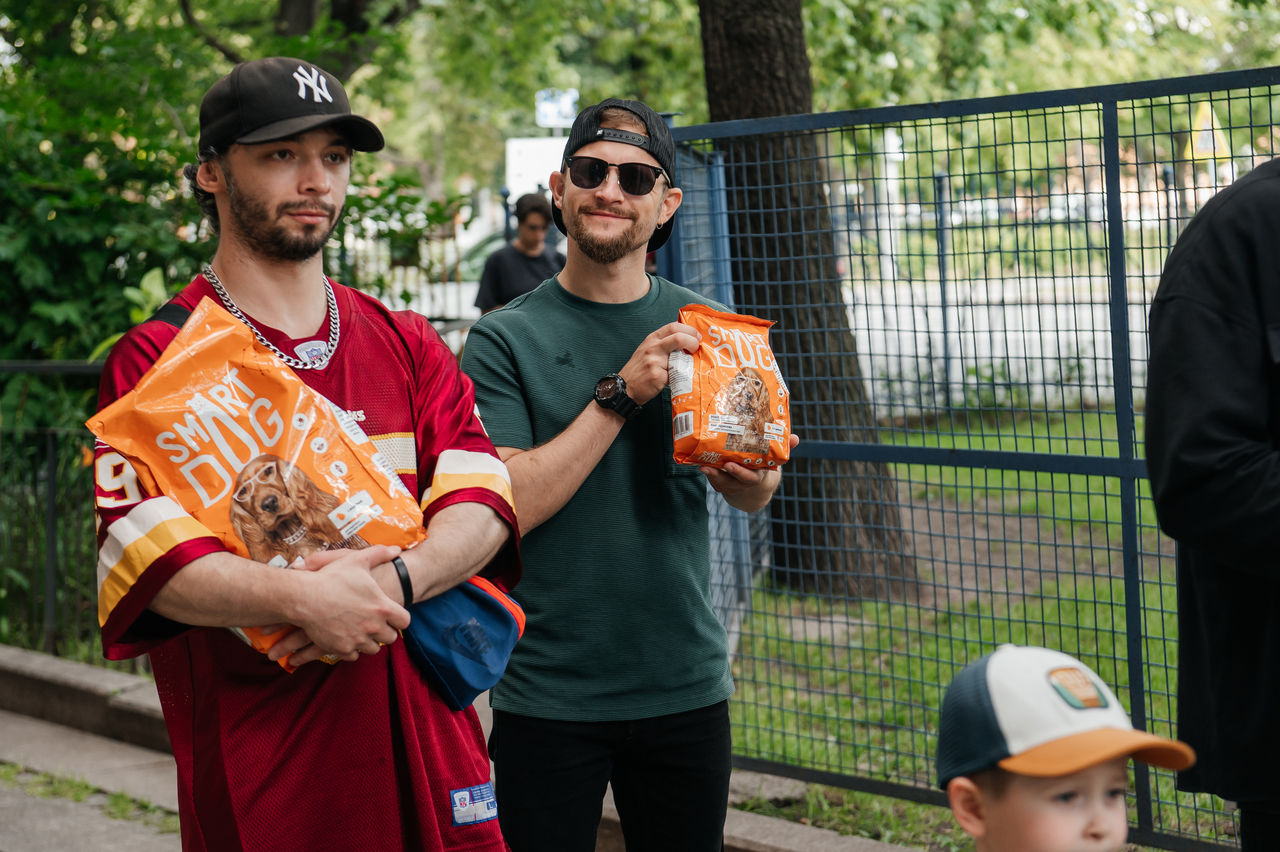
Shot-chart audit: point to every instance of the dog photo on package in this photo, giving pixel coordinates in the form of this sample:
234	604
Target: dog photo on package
265	463
729	402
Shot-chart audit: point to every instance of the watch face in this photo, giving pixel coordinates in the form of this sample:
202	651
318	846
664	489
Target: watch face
606	387
611	393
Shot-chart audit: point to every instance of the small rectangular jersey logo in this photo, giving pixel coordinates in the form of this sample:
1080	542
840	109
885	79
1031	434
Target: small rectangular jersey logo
474	804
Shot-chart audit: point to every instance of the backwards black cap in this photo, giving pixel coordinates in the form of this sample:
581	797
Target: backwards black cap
586	129
269	99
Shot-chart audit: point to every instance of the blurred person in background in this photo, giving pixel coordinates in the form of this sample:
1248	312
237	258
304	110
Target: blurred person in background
526	261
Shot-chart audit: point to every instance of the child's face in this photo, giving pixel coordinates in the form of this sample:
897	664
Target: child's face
1083	812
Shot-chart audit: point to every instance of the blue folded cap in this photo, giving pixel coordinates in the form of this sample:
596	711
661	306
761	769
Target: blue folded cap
461	639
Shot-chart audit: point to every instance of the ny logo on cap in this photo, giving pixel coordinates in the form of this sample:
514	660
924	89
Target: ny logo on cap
314	81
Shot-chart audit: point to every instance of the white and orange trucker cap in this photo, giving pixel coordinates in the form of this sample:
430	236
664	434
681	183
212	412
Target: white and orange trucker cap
1039	712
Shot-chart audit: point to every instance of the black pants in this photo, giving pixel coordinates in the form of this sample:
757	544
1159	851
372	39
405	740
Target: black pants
670	777
1260	825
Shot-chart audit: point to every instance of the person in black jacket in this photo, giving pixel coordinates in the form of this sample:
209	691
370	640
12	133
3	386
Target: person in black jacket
1213	455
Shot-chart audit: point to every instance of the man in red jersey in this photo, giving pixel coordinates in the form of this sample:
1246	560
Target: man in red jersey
360	754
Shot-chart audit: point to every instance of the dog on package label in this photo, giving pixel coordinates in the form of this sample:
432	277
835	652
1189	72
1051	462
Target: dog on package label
278	511
746	397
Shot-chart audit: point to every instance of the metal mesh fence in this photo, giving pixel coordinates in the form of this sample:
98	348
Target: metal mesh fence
432	279
960	292
48	550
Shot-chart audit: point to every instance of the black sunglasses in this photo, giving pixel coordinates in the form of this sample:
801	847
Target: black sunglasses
634	178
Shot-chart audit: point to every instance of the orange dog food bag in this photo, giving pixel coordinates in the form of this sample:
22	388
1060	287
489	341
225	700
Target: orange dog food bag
271	467
729	401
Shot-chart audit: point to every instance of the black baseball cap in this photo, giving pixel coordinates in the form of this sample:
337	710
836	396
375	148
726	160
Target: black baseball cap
658	142
269	99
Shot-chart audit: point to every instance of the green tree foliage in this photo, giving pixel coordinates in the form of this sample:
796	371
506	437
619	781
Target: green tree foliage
867	53
477	67
98	114
871	52
90	110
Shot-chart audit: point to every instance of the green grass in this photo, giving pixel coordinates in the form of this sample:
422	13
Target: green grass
1085	504
853	687
875	693
114	805
864	815
123	807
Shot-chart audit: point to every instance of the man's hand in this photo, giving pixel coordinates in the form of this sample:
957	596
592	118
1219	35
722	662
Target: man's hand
745	488
342	612
646	371
544	478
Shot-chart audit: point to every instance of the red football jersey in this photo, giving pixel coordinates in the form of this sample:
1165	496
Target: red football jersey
358	755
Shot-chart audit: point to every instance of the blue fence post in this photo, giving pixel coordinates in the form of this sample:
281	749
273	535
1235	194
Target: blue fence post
670	258
1125	440
942	224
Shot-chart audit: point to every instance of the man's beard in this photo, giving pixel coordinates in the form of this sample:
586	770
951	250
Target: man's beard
605	250
265	235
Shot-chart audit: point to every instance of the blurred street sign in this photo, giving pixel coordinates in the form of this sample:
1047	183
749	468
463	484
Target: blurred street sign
1207	141
555	107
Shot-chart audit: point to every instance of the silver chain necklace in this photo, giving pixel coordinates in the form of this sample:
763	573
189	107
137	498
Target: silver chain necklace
318	363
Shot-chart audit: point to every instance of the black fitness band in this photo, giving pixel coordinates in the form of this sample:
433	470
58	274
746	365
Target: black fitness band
406	585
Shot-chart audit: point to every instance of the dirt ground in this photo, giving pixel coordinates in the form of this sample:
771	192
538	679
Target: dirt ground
962	550
980	551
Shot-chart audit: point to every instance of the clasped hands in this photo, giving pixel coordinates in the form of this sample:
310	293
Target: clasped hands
350	607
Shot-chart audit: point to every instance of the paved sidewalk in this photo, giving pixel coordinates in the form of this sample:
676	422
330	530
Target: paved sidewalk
30	824
105	728
36	824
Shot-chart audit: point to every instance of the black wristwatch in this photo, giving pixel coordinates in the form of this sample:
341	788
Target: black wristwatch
611	393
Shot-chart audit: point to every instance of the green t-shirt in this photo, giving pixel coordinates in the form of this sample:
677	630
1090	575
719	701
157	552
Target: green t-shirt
616	585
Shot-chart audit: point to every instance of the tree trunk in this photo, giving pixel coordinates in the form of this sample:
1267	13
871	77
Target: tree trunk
297	17
836	527
354	18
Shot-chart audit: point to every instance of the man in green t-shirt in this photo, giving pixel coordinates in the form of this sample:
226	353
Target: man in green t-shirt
622	676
